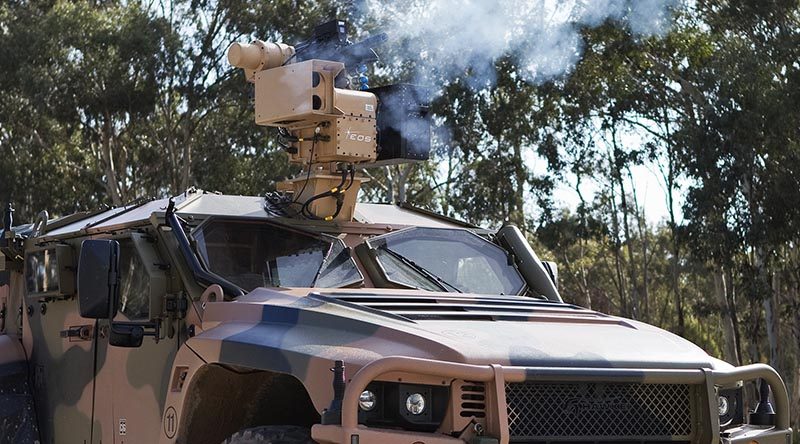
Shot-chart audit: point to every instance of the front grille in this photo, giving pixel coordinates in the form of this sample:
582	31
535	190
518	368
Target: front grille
599	412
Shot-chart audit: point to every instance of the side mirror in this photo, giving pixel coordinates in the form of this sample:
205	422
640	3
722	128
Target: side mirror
98	279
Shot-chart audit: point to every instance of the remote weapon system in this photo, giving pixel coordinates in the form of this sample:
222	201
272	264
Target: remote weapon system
329	120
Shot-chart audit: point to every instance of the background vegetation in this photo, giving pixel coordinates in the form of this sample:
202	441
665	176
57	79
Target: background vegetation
106	101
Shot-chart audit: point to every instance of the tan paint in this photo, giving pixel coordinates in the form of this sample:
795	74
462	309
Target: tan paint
306	187
174	400
140	398
63	368
10	350
258	55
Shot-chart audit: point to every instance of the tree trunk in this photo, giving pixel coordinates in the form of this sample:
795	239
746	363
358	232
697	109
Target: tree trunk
403	173
675	271
623	300
586	293
728	334
617	174
448	182
767	296
186	167
795	381
641	224
112	181
796	400
772	318
517	213
390	193
732	306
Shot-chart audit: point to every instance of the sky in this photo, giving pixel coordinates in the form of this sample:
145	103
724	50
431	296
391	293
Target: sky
647	182
649	193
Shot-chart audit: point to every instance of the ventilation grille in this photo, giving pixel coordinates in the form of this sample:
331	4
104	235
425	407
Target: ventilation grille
437	306
473	400
599	412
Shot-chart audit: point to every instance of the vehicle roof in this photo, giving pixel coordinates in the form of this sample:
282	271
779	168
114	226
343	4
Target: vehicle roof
202	205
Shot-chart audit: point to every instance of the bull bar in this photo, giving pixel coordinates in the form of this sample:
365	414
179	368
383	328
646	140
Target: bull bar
496	376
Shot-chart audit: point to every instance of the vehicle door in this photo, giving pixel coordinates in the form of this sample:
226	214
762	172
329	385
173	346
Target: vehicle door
134	379
62	343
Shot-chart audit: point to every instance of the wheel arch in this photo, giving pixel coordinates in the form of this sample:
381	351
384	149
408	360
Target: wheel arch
222	399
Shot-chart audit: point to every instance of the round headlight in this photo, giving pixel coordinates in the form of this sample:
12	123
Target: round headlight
724	405
367	400
415	404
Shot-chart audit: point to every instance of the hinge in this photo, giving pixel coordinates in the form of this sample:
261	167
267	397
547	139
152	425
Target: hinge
176	305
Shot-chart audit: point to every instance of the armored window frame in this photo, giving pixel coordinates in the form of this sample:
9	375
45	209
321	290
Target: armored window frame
141	250
332	240
368	252
59	267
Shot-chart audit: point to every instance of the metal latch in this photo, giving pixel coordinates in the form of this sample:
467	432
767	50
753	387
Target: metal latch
78	333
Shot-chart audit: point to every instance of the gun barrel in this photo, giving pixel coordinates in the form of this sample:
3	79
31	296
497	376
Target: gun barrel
362	51
374	40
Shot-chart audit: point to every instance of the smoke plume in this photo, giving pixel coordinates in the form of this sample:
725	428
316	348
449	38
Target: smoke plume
448	38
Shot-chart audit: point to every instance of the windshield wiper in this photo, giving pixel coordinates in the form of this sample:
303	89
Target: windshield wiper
441	283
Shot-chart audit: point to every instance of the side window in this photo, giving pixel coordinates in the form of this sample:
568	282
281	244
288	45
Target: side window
134	291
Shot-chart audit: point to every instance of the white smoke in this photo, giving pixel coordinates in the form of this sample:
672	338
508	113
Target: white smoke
452	37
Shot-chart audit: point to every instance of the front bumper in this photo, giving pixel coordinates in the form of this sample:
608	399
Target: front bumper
496	376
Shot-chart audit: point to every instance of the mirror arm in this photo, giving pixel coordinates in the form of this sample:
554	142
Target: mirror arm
154	326
130	334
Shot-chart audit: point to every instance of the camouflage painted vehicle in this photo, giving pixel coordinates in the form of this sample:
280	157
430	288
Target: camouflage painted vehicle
191	320
208	319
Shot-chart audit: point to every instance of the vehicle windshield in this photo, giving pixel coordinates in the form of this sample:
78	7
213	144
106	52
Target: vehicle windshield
255	254
446	260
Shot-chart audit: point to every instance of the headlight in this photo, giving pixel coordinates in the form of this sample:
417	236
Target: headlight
723	403
413	407
367	401
730	407
415	404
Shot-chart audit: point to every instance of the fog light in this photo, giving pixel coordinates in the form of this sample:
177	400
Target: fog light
415	404
367	400
724	405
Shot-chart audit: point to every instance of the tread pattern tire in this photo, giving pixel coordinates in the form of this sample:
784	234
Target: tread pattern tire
271	435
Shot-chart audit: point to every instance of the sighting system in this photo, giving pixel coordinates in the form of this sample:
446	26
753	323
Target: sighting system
329	120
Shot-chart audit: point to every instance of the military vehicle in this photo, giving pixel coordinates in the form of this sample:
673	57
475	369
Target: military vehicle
304	316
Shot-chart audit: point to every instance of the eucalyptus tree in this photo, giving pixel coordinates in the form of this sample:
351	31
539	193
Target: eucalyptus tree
741	148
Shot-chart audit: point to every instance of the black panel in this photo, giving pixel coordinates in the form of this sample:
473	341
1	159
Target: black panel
404	128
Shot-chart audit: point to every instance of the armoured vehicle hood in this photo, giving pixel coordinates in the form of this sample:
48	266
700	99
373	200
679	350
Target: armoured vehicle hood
290	327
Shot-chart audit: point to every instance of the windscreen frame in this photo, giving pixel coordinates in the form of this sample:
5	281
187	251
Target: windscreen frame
367	253
331	240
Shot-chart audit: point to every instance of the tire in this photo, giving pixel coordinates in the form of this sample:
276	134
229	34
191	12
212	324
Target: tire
271	435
